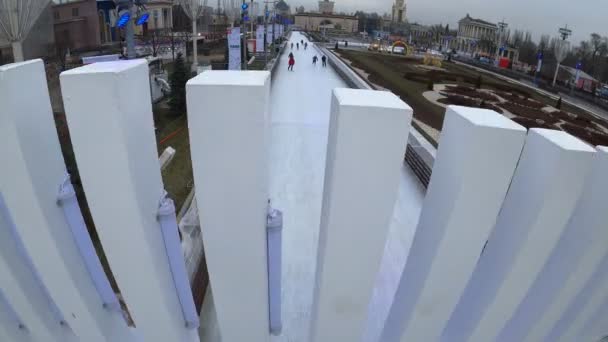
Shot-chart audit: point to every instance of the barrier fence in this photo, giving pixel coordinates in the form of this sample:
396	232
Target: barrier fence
510	244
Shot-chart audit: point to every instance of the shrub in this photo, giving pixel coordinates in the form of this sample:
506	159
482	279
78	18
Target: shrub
178	79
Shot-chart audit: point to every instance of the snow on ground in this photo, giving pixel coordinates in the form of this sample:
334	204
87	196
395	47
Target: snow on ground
300	105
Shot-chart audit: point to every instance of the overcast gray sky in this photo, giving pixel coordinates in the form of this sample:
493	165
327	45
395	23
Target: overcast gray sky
538	16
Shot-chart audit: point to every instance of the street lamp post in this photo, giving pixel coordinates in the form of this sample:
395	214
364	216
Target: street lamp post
244	14
561	48
501	27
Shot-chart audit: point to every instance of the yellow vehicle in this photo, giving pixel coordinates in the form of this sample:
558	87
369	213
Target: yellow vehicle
375	46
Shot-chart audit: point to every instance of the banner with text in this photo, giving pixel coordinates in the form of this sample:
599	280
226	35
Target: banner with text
234	49
269	36
259	36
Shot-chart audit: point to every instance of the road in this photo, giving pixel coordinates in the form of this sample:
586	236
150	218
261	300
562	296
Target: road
300	104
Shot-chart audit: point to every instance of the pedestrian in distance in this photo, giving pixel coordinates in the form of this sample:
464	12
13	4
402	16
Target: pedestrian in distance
292	62
314	60
305	46
292	46
324	60
298	46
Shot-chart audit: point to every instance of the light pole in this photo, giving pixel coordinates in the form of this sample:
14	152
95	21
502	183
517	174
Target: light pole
267	13
194	9
501	27
244	16
561	49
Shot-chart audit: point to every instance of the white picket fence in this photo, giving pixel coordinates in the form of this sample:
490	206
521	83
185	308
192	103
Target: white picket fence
510	244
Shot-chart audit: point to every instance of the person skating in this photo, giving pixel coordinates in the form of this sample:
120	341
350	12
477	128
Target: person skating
298	46
314	60
305	46
292	62
324	60
292	45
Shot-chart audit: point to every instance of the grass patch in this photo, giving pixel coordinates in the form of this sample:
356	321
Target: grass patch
173	131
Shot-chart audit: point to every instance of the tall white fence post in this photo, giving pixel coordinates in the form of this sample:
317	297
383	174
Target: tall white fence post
578	254
478	152
588	303
109	114
228	120
33	170
367	139
547	184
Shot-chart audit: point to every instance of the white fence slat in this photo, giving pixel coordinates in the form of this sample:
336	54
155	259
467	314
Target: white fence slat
597	284
367	140
478	152
588	303
26	301
228	121
535	212
578	254
35	168
597	326
109	114
12	327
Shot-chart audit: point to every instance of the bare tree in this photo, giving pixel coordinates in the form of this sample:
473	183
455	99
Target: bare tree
17	17
544	42
599	48
194	9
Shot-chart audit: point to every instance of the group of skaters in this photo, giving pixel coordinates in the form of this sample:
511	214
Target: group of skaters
304	44
292	60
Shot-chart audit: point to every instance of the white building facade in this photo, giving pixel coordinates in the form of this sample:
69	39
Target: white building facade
472	31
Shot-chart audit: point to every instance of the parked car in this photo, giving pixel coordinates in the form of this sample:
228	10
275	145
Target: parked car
602	92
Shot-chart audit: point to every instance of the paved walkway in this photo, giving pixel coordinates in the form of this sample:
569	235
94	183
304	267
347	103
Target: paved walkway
300	105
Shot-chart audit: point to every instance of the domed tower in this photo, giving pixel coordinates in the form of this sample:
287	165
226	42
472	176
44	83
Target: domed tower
399	8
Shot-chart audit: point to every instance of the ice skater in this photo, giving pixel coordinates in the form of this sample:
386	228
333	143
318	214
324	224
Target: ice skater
305	46
298	46
292	62
324	60
292	45
314	60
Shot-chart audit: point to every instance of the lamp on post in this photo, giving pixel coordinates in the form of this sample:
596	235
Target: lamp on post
561	49
501	28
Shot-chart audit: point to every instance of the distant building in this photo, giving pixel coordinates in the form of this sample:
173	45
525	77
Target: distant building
282	9
317	22
473	31
77	24
399	11
326	7
300	9
161	16
40	42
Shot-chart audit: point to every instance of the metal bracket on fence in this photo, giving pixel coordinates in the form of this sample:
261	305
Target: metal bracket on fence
30	264
68	202
10	311
274	228
168	226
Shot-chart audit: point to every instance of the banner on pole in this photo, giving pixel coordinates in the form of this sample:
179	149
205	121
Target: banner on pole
234	49
269	35
259	36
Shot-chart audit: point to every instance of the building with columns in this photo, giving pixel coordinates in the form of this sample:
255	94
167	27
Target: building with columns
472	31
399	10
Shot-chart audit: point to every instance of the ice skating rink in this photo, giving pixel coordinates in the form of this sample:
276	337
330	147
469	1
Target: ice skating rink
300	106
